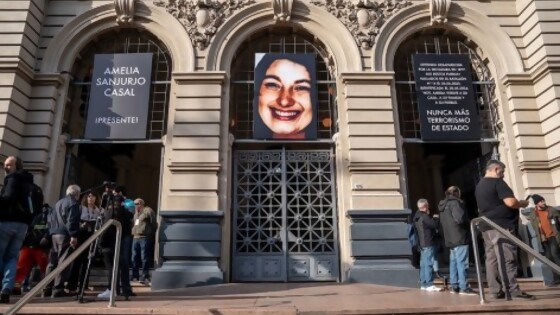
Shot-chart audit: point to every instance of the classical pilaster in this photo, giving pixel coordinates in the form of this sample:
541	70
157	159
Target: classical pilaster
17	62
525	144
190	231
377	219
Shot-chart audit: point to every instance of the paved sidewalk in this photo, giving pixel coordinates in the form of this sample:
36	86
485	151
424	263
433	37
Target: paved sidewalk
299	298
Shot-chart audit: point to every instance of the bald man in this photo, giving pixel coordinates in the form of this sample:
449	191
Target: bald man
13	221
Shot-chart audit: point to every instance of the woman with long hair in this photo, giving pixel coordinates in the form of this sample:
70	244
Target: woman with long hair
90	211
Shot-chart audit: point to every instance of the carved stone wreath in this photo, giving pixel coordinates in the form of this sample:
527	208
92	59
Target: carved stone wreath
363	18
202	18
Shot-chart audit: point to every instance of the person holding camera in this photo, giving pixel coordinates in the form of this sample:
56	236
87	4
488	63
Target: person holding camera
117	210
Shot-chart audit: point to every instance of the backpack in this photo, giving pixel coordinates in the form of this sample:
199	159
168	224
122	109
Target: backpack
34	199
412	235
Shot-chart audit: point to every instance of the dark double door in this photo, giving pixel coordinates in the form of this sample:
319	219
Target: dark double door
284	216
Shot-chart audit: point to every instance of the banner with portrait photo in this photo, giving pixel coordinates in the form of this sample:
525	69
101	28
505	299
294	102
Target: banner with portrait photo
285	101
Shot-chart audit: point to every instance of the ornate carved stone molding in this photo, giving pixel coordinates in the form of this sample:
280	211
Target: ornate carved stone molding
202	18
363	18
125	11
439	10
282	10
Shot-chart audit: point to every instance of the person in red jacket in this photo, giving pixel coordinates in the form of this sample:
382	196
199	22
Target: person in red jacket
35	249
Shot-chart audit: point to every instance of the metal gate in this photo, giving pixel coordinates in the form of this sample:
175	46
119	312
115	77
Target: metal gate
284	216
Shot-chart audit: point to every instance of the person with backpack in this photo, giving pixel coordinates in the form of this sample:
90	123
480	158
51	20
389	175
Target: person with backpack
35	249
143	231
455	224
15	218
64	227
426	227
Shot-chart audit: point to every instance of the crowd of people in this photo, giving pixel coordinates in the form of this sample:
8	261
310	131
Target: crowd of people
46	239
495	201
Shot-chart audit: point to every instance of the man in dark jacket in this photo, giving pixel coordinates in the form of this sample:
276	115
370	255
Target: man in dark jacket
427	239
544	220
64	226
13	221
455	224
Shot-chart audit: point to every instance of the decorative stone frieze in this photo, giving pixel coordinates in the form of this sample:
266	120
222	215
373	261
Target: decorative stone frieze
363	18
282	10
125	11
202	18
439	10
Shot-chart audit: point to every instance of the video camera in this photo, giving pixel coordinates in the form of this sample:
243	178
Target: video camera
109	184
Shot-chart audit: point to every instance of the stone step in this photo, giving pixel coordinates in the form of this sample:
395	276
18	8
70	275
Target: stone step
299	298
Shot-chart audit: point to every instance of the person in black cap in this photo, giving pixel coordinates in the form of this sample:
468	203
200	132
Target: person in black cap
544	220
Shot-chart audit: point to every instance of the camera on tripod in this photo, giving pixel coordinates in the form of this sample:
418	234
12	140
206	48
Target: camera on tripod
109	184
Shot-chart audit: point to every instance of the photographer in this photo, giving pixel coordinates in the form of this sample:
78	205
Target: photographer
115	209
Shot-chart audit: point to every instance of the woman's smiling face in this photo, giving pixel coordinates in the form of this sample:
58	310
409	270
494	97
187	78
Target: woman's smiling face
285	99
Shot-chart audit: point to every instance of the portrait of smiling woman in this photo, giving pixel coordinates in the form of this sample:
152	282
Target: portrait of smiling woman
285	97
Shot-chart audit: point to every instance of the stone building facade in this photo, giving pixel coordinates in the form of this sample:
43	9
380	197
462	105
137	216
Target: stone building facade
202	144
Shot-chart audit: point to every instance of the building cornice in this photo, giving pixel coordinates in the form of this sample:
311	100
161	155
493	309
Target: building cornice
200	77
512	79
540	165
544	68
361	167
15	65
56	79
534	75
190	167
380	76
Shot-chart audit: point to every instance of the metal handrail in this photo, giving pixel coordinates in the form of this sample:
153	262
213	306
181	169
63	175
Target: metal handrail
50	277
510	237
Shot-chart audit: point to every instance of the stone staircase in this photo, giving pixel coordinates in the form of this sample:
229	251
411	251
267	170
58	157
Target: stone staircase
300	298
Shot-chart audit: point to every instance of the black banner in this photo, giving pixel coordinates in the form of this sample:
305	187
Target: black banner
119	96
446	100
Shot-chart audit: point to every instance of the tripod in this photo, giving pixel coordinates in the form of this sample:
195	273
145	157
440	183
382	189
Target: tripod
91	256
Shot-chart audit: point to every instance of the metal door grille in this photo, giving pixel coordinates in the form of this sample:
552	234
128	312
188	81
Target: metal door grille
433	41
284	216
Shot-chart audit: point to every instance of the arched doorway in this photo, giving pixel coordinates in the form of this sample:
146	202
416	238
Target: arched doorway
135	164
284	217
432	166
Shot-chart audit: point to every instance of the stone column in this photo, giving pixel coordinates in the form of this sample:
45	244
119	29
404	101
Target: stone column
379	248
190	230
